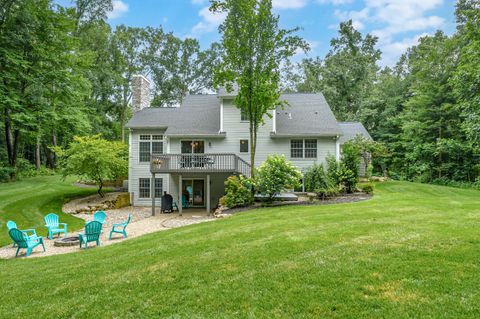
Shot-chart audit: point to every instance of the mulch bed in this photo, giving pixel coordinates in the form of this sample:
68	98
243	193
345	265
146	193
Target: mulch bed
344	198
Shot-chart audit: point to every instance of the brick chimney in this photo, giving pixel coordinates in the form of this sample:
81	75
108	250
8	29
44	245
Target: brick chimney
140	92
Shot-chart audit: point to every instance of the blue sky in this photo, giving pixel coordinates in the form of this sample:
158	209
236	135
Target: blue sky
397	23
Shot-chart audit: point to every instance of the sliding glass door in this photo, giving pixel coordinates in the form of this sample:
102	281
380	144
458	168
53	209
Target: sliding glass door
194	192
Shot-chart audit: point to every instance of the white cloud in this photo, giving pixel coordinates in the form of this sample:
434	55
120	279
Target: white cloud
392	18
119	8
393	50
210	21
289	4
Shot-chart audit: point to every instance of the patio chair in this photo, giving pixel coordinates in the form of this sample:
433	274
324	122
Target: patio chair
53	225
119	228
185	202
23	241
100	216
92	232
11	224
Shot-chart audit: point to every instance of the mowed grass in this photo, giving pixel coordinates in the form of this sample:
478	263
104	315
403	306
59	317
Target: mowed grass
413	251
27	201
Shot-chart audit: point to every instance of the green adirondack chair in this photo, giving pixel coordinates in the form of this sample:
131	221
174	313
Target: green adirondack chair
11	224
92	232
23	241
100	216
53	225
119	228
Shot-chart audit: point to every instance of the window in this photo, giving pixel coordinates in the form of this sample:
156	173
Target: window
197	147
243	115
310	148
150	144
303	148
243	146
144	187
296	148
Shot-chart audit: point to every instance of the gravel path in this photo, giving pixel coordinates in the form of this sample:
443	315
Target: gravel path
142	223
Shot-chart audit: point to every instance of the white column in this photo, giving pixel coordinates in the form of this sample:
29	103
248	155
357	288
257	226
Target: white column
337	148
221	115
180	195
152	193
208	194
274	121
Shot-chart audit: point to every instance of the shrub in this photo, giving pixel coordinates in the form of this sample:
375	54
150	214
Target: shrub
347	178
238	192
333	168
5	173
367	188
275	175
316	180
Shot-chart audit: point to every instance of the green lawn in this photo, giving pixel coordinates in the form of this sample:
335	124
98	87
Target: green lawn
413	251
27	201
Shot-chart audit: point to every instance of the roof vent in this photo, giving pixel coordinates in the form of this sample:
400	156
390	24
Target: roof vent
289	116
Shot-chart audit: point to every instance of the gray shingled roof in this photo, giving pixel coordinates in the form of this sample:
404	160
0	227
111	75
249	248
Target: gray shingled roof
352	129
197	115
306	115
222	91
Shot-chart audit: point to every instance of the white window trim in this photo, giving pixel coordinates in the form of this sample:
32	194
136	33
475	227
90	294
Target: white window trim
303	149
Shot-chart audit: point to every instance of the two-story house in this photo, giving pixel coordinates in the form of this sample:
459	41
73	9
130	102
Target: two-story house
190	150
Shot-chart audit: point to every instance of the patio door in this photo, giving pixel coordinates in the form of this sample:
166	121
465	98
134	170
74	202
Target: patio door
191	146
194	192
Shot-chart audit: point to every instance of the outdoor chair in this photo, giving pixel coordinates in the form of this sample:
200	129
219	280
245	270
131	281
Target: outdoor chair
22	240
11	224
100	216
54	226
92	233
120	228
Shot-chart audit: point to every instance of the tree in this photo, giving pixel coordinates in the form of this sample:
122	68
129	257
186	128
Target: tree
254	48
94	158
347	73
466	80
275	175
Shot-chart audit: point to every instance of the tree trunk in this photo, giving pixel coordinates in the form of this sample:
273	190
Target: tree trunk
53	155
38	161
252	152
11	138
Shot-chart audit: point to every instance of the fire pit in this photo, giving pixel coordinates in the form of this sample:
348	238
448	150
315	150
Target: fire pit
67	241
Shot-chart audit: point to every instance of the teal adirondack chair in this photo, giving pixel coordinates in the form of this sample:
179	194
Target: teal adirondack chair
119	228
92	232
11	224
53	225
23	241
100	216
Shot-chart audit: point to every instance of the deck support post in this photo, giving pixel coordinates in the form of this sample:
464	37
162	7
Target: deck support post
208	194
180	195
152	193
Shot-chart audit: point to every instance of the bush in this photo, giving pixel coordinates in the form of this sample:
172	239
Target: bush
238	192
347	178
275	175
5	173
333	168
367	188
316	180
458	184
